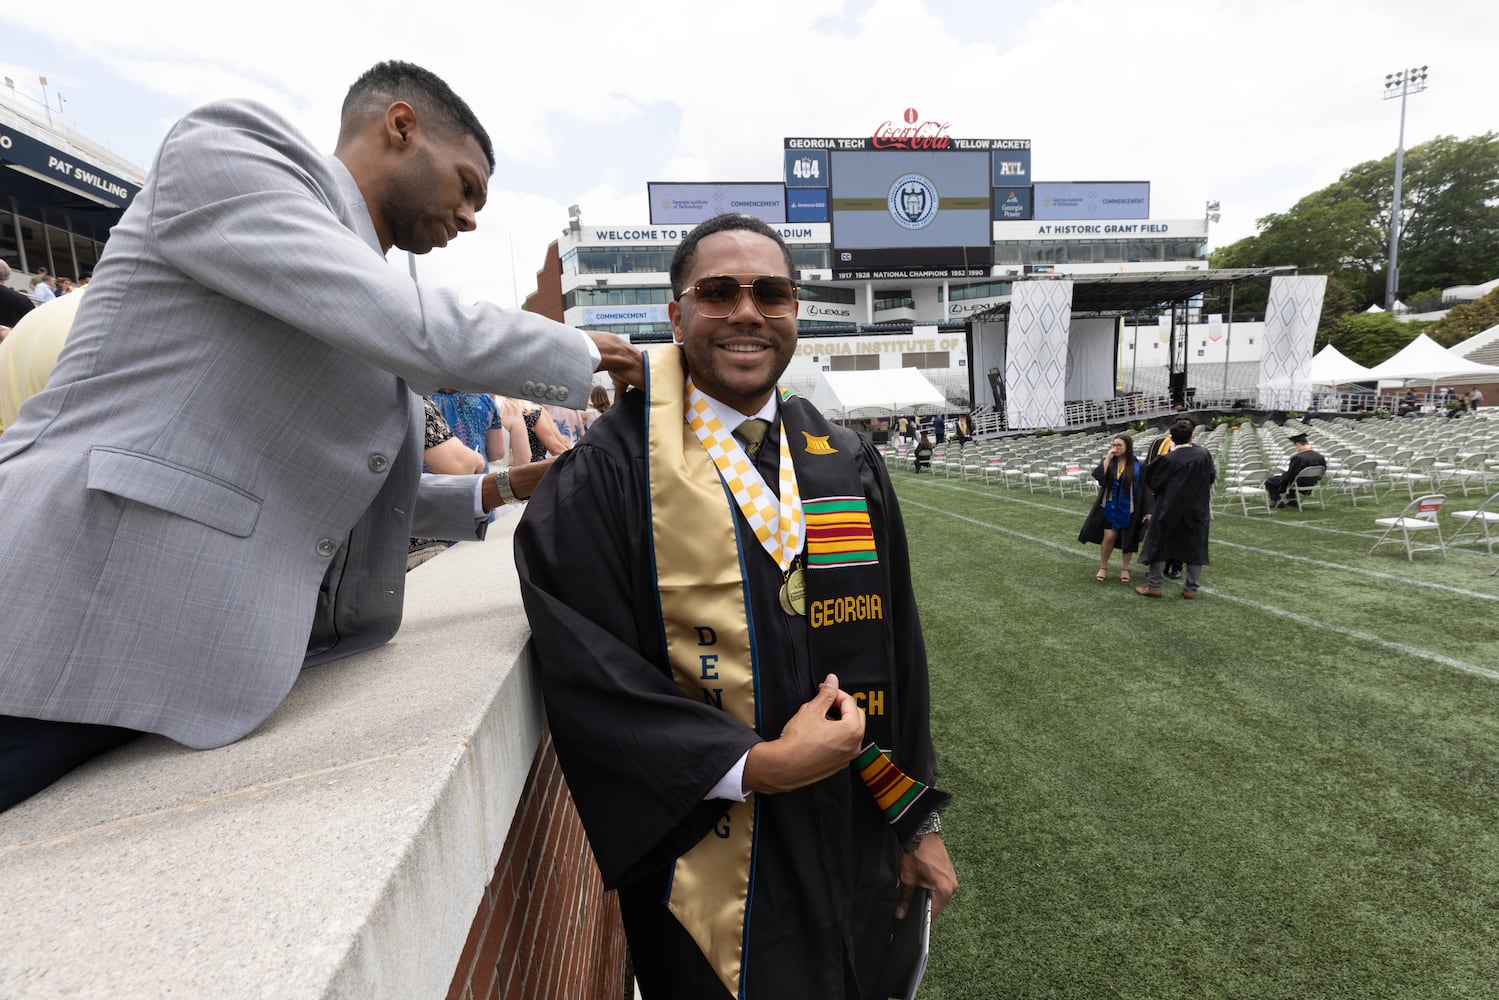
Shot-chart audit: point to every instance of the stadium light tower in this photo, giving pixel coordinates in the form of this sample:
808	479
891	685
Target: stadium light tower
1399	84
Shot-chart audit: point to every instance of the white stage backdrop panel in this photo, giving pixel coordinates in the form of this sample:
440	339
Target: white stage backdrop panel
1036	353
1291	318
1090	359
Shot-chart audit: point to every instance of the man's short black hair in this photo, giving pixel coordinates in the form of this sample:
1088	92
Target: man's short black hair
682	260
393	80
1181	430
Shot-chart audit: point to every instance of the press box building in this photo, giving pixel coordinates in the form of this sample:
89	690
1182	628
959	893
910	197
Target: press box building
902	239
60	193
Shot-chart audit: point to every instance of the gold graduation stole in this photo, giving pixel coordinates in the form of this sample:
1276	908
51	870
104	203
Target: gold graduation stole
703	612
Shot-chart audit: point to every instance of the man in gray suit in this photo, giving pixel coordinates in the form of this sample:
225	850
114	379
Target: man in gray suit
217	485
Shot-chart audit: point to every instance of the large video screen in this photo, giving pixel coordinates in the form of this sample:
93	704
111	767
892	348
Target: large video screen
910	199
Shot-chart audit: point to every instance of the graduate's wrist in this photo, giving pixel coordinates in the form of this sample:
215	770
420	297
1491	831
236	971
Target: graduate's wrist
931	826
765	769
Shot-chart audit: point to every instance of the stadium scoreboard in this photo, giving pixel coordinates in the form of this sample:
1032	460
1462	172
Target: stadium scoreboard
908	201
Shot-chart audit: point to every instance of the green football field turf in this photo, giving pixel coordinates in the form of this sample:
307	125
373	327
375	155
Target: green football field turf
1287	788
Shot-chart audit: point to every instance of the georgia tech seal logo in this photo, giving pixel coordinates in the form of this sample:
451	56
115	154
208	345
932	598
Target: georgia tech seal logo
912	201
819	445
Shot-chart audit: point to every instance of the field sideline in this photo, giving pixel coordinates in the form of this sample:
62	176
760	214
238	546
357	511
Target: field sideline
1284	789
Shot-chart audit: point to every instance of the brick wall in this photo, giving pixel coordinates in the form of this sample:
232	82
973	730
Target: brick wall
545	929
547	299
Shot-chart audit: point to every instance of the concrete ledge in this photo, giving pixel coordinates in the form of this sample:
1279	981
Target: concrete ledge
341	850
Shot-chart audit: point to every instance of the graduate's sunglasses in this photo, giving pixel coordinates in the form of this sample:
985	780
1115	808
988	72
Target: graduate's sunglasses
718	295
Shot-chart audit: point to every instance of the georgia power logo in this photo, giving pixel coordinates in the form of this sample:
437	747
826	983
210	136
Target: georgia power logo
912	201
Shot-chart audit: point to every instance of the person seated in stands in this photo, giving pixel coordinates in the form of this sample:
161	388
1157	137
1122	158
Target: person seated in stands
924	452
1285	481
1461	407
1408	404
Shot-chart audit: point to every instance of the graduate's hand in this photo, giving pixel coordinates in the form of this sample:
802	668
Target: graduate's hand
927	866
819	741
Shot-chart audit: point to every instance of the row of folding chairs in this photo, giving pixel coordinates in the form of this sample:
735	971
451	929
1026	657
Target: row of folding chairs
1421	519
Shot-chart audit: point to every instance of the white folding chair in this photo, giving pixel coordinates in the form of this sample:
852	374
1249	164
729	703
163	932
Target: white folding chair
1419	516
1363	476
1249	483
1470	468
1480	520
1037	476
1307	486
1070	479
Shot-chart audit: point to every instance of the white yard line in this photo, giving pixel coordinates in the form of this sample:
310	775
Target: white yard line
1269	609
1373	574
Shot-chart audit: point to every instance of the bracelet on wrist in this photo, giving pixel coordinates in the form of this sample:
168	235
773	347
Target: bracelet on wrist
502	484
932	824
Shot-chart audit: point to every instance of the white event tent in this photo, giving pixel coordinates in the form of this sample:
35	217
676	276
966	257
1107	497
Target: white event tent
1331	366
1424	360
1328	367
885	392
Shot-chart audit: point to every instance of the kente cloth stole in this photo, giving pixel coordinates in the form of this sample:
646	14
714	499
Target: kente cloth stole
849	614
706	626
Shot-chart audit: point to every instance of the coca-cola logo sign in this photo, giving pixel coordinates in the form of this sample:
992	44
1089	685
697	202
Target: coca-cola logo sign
914	134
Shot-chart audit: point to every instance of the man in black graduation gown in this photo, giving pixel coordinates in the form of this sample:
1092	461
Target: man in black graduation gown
655	770
1182	481
1304	458
1158	449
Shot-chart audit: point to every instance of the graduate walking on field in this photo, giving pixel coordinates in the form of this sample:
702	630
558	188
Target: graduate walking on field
1117	518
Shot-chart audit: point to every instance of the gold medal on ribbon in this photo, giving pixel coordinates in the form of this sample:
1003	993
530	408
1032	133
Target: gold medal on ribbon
794	592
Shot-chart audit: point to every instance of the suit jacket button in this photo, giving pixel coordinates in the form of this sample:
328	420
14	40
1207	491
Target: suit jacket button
528	388
379	463
326	547
561	393
551	392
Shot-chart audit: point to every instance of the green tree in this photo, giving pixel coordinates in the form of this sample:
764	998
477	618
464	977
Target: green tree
1450	235
1462	322
1369	338
1337	304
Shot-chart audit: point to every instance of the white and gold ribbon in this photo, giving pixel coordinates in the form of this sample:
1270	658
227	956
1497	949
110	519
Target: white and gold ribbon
775	517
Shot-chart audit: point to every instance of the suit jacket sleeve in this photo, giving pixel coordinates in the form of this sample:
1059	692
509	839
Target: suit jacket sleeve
445	509
243	209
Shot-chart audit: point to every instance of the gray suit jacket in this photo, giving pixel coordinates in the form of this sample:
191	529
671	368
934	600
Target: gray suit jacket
220	479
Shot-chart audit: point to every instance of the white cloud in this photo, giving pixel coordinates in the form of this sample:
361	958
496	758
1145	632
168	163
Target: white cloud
1254	105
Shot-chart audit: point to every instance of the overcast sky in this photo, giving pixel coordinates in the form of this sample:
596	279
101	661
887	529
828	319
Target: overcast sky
1251	104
